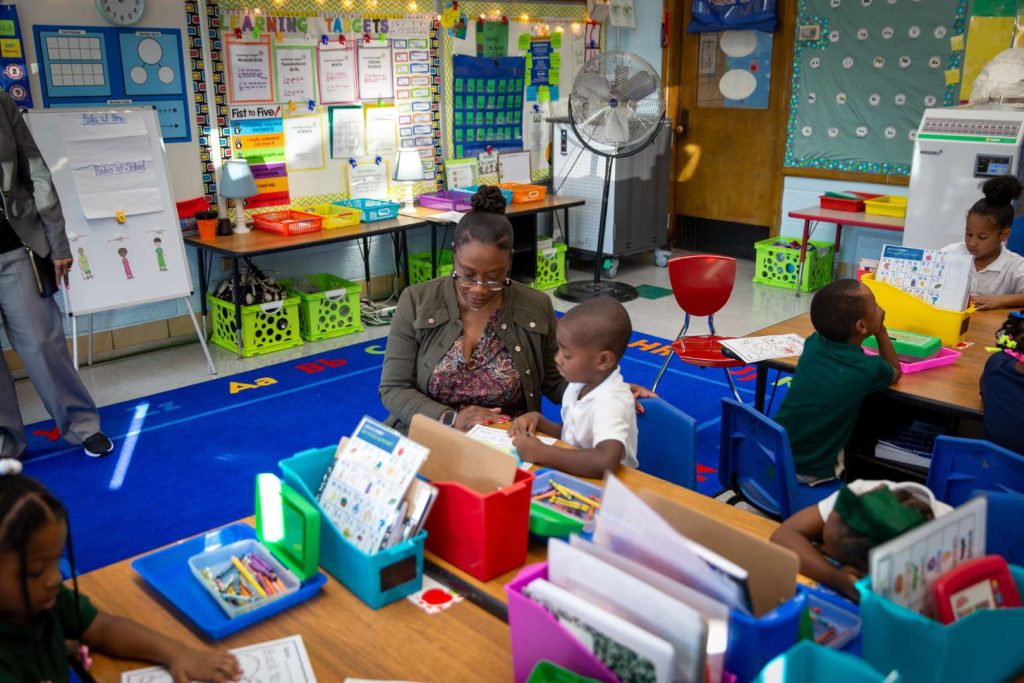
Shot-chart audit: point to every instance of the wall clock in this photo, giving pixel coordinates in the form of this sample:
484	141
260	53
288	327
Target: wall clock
121	12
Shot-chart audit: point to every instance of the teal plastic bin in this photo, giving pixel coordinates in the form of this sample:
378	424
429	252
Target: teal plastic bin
987	645
377	579
810	663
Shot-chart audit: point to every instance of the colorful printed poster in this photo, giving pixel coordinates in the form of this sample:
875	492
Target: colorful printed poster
492	38
539	58
250	71
375	73
260	141
13	70
413	87
295	77
336	71
304	142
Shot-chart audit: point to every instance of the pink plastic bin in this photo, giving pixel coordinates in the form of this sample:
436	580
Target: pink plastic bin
944	357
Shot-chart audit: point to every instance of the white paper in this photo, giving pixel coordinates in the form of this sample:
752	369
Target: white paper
375	73
348	133
380	131
499	438
368	180
514	167
275	661
754	349
294	72
336	71
89	125
446	217
114	174
536	136
249	71
304	142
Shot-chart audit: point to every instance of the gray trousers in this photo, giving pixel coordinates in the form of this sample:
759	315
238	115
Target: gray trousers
34	327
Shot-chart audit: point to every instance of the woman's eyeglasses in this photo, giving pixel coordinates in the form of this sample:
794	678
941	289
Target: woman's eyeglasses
467	282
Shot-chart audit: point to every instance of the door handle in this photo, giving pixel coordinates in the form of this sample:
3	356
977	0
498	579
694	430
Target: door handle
682	124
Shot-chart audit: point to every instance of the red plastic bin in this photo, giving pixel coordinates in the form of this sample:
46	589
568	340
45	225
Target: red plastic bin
483	534
851	205
290	222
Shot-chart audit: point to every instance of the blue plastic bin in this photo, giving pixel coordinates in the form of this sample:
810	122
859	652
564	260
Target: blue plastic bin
753	641
507	194
810	663
373	209
377	579
981	647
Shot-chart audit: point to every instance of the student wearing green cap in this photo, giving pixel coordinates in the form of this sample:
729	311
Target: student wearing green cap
833	537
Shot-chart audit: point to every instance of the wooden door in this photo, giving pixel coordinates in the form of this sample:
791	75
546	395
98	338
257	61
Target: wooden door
727	162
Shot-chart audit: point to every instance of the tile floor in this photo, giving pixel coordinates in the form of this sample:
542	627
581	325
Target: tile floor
750	308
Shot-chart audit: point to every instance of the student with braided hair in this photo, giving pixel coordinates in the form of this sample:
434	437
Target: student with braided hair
39	613
1002	386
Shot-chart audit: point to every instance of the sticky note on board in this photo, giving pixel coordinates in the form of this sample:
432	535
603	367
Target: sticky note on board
556	39
10	47
952	76
956	43
544	93
6	27
531	93
554	93
556	59
524	41
555	76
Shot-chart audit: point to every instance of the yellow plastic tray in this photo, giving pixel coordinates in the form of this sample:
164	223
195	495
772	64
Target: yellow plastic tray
888	205
336	216
904	312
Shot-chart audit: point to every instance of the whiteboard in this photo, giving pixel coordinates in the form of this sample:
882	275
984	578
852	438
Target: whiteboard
103	161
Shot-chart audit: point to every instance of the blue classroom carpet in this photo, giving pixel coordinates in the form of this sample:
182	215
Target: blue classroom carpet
186	459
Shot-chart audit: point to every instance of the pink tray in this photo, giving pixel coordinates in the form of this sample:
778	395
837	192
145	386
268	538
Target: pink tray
447	200
944	357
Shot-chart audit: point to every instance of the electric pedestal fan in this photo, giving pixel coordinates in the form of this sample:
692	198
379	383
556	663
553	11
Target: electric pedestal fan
616	110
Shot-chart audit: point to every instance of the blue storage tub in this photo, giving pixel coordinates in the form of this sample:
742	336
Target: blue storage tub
167	572
810	663
373	209
507	194
754	641
378	579
983	646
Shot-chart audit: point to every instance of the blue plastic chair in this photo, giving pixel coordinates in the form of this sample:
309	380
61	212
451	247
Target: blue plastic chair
667	443
756	461
962	466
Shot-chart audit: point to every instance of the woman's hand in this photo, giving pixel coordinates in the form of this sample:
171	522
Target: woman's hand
471	416
62	266
190	664
640	392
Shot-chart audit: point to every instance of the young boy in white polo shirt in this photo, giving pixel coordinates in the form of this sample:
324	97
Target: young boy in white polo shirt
598	411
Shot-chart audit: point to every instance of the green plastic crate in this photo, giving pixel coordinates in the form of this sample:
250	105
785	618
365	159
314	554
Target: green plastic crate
550	268
332	311
419	266
777	265
265	327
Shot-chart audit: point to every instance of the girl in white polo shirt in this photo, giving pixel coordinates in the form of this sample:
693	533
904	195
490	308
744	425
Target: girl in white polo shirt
998	280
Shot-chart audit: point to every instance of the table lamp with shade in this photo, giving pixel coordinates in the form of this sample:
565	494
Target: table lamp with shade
408	170
236	182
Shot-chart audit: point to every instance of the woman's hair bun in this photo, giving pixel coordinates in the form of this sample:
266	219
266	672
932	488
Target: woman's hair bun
1002	189
489	199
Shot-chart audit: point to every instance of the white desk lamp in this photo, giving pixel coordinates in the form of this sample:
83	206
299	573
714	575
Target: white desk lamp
408	170
236	182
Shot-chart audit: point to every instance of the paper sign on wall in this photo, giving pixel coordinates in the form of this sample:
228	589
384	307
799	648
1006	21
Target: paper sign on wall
348	132
114	174
295	80
304	143
368	179
250	72
336	69
380	131
375	75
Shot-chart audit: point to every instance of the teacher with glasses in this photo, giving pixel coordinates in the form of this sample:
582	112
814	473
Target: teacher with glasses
475	347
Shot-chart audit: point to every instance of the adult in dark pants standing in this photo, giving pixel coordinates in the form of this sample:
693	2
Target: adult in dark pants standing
32	220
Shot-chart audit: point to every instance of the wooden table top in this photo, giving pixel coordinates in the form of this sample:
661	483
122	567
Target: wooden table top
259	242
952	389
344	637
859	219
494	590
548	203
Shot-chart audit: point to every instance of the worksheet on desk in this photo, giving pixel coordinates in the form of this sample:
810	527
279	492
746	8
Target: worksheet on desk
275	661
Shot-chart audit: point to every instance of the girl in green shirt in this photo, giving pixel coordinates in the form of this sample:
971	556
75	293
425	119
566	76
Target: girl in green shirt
38	613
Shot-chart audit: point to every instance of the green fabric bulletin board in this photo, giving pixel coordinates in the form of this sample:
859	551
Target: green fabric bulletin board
860	88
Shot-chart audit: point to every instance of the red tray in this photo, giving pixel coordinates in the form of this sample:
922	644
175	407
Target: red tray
851	205
288	222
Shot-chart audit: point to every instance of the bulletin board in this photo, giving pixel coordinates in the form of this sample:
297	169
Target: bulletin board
329	94
864	71
95	65
13	67
550	63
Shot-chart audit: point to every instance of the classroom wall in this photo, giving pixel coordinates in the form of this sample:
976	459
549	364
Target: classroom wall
645	39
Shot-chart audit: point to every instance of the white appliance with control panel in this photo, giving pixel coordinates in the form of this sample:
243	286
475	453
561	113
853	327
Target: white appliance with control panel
955	152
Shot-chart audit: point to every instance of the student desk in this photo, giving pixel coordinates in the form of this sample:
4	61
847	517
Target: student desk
840	219
343	636
491	596
951	390
258	243
524	224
